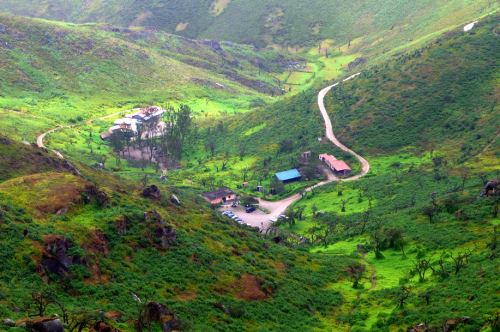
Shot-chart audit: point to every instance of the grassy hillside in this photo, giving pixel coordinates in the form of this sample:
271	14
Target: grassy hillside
213	274
268	22
440	98
70	72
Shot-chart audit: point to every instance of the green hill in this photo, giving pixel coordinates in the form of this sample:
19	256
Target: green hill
411	246
66	71
267	22
89	240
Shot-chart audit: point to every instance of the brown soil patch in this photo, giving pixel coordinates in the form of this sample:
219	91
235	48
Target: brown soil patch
187	296
97	243
45	193
248	288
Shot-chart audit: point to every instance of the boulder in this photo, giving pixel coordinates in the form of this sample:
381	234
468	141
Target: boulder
157	312
357	62
103	327
92	193
452	324
56	257
44	324
418	328
152	192
9	322
175	200
5	141
491	188
159	232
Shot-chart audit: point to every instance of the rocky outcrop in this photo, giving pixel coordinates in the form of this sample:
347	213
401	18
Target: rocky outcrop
101	326
357	62
157	312
175	200
56	257
491	188
152	192
92	193
46	325
161	234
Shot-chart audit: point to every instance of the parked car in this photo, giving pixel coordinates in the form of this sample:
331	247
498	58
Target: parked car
234	217
238	220
250	209
273	220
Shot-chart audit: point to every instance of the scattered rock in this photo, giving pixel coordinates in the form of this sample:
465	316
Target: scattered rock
46	325
103	327
491	188
418	328
159	232
357	62
9	322
100	197
62	212
222	307
114	315
451	324
56	258
152	192
214	45
5	141
157	312
175	200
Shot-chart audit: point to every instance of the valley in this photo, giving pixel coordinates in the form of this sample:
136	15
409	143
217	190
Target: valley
249	166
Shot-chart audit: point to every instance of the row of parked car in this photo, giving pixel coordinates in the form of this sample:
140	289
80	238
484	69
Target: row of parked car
231	215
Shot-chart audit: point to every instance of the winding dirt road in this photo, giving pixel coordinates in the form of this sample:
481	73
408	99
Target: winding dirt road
40	138
275	209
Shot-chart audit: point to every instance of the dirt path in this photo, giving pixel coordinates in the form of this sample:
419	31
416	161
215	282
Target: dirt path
277	208
40	138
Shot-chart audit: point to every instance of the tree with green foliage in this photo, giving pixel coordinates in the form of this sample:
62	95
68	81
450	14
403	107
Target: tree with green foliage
355	272
402	296
421	267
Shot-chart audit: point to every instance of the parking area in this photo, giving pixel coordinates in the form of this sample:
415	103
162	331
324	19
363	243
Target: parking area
259	218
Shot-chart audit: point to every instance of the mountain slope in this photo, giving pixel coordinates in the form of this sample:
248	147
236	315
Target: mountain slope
70	70
441	97
96	240
265	22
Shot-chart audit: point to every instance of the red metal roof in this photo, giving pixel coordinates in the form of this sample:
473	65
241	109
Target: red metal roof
340	165
329	159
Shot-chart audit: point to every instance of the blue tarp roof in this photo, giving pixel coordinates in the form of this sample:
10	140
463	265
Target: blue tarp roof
288	175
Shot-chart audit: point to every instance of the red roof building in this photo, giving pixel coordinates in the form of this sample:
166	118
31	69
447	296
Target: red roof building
339	167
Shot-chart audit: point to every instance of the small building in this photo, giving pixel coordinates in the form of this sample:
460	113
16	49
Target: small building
289	176
149	113
219	196
305	156
338	167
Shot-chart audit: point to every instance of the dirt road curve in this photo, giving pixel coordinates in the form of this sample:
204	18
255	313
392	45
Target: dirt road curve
277	208
41	137
365	166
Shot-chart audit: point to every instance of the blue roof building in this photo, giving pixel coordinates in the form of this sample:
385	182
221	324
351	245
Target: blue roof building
288	176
